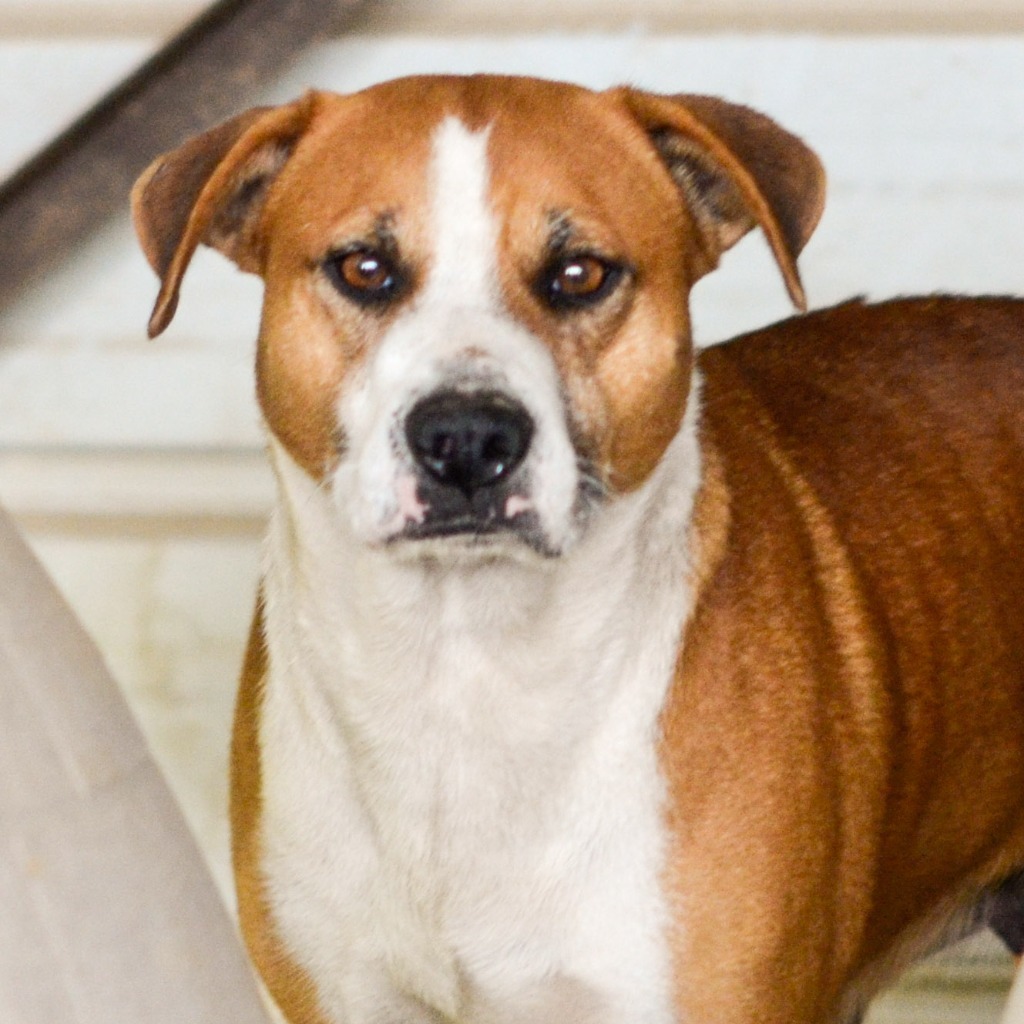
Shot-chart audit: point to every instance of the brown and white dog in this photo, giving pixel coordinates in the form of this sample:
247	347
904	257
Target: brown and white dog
594	680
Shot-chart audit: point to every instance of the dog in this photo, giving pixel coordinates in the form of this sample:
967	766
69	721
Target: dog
594	679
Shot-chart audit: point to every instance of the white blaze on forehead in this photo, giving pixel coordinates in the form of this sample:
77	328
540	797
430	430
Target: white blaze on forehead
464	266
458	332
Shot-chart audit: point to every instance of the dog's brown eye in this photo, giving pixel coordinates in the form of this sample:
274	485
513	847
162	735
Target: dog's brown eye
573	282
582	276
365	276
365	271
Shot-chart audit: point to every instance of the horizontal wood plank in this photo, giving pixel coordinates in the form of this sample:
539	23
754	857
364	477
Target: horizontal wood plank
883	108
161	18
163	492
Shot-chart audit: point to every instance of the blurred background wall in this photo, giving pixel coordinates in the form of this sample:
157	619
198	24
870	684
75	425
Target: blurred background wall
135	468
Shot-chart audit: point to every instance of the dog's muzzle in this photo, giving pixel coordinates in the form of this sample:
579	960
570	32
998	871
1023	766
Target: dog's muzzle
468	449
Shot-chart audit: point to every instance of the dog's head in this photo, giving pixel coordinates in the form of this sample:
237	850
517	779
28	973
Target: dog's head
475	323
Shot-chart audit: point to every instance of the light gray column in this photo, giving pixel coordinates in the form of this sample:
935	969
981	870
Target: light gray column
107	911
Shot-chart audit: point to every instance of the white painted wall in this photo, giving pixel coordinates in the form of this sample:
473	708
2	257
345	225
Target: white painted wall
135	466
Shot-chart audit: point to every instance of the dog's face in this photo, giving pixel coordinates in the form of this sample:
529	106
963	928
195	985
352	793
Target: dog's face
476	325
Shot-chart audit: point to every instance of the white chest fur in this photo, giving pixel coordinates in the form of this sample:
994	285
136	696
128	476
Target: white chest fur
462	806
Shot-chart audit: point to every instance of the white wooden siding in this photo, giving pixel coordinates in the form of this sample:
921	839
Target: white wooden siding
454	17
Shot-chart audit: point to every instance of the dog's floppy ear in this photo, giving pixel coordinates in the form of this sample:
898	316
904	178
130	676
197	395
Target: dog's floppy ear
211	190
737	169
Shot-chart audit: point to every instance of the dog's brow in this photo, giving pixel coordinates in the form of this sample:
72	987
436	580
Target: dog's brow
561	230
384	228
382	233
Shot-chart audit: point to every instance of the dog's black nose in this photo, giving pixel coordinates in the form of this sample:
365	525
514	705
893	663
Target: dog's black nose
469	441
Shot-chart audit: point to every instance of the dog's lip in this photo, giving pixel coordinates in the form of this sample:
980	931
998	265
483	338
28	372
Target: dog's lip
461	526
468	532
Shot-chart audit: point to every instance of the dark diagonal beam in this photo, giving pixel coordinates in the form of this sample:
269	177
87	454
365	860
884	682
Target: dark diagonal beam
204	74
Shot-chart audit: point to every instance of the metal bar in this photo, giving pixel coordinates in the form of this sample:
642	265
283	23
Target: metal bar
200	77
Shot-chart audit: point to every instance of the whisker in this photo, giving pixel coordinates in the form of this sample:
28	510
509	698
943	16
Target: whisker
592	489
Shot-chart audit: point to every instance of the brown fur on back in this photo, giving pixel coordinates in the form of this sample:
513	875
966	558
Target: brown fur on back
864	616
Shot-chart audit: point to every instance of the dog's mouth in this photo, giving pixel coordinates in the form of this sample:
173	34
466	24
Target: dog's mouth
484	522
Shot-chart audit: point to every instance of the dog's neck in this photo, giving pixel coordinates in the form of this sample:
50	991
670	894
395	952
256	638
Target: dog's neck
361	620
485	722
